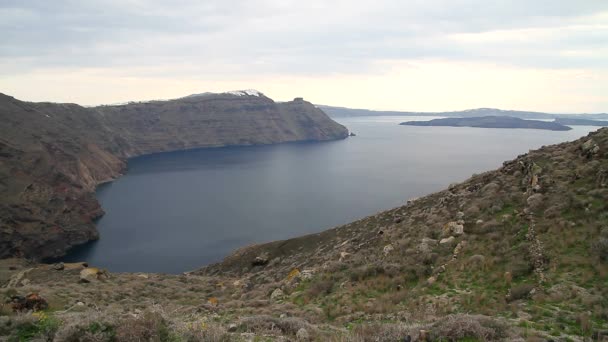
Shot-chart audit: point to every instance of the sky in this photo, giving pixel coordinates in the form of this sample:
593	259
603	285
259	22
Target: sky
418	55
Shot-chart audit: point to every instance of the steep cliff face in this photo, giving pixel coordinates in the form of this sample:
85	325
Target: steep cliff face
52	156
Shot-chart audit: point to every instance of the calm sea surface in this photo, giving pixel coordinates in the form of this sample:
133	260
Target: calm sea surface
177	211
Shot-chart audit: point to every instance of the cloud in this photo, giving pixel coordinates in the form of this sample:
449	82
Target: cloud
232	41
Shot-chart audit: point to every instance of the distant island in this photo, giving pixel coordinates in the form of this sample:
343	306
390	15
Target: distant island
491	122
580	122
338	112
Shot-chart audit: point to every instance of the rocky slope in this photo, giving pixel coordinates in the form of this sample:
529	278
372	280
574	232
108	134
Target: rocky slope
52	156
515	254
491	122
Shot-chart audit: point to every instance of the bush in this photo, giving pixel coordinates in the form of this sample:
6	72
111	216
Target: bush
149	326
520	292
28	327
460	327
601	245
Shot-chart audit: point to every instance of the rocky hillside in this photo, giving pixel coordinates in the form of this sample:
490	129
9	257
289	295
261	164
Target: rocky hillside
52	156
515	254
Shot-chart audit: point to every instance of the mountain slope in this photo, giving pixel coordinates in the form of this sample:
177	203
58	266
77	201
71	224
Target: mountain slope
52	156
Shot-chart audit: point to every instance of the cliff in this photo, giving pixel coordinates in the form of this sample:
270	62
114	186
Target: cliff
52	156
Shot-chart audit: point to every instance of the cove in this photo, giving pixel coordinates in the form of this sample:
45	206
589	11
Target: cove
178	211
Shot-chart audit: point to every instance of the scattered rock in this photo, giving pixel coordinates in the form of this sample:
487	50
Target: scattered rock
387	249
478	222
232	327
460	215
431	281
25	282
58	266
277	294
302	335
447	240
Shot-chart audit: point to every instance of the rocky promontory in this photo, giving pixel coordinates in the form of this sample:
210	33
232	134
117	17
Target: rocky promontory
491	122
53	155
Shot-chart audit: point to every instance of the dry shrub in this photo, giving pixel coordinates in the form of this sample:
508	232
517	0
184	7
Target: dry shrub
202	331
89	326
268	324
379	332
458	327
520	292
149	326
320	287
601	245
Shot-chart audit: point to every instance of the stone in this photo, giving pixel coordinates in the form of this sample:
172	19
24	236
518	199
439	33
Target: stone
460	215
343	255
25	282
302	335
307	274
478	222
277	294
59	266
261	260
447	240
232	327
92	274
590	148
454	228
387	249
431	281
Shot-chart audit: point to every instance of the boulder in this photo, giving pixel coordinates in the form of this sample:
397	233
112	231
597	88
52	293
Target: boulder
590	148
261	260
92	274
448	240
59	266
277	294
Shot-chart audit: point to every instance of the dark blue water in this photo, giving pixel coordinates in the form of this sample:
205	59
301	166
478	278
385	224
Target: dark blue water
174	212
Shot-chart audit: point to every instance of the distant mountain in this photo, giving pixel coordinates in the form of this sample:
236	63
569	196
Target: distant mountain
491	122
53	155
336	112
581	122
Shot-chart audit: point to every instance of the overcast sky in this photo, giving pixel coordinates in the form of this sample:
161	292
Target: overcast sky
427	55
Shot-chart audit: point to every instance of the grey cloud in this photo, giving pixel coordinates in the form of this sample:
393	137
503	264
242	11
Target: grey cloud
207	38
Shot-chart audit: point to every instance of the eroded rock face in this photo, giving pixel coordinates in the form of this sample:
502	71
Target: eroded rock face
52	156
